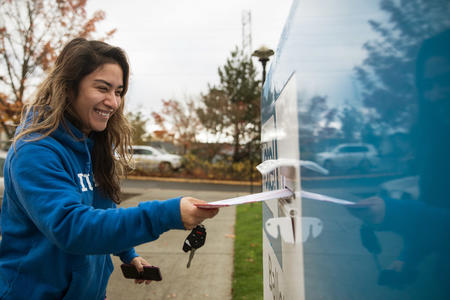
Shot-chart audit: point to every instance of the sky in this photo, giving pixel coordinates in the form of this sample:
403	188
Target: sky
176	47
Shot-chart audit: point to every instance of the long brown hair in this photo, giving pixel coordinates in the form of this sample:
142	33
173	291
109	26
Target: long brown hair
53	103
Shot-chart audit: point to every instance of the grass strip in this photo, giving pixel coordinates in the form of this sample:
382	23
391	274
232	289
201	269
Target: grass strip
248	268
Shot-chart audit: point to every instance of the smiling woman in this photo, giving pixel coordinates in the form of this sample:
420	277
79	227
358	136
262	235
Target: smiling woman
84	89
62	184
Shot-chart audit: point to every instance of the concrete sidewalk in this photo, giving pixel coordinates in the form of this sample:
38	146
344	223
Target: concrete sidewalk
210	274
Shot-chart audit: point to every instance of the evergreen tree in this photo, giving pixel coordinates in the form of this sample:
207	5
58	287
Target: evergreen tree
232	108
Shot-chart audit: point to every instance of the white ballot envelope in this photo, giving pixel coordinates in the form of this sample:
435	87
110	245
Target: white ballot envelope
276	194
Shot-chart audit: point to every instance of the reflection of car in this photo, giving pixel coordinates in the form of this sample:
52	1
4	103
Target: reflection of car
345	157
148	158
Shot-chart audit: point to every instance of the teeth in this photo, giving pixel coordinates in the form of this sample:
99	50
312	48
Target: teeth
103	113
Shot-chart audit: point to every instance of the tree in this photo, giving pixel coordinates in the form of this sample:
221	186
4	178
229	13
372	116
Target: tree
9	112
232	107
179	121
138	122
32	32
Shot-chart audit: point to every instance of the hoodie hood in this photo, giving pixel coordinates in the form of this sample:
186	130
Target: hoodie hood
69	136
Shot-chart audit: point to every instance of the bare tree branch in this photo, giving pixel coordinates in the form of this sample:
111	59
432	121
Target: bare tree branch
31	33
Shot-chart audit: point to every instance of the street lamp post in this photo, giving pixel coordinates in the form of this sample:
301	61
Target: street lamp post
263	54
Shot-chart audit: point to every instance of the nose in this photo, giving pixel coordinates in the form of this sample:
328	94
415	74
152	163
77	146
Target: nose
112	100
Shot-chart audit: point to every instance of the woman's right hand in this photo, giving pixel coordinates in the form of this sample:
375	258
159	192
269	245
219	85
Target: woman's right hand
370	210
191	215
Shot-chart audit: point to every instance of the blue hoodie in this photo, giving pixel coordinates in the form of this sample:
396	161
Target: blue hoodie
58	230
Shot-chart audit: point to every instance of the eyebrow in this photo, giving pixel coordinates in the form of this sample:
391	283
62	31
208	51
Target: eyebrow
107	83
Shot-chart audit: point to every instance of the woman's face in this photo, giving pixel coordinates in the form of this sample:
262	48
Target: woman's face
99	97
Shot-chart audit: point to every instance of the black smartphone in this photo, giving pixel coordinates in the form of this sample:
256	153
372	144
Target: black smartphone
150	272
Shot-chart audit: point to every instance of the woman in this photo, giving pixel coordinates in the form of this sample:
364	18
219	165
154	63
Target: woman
59	220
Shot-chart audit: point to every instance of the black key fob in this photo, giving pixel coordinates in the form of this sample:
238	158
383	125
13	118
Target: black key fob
195	239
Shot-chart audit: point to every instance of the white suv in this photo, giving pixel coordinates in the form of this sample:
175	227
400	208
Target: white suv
349	157
148	158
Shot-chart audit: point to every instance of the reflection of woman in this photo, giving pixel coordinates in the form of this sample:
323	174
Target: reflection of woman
433	83
424	224
59	221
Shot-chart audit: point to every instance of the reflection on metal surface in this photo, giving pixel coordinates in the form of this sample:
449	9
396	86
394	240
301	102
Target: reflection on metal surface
324	198
373	106
349	157
290	228
271	164
274	134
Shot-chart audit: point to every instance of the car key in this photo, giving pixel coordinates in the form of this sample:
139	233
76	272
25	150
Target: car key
194	240
191	255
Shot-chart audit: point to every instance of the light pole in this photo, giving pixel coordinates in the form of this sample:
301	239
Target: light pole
263	54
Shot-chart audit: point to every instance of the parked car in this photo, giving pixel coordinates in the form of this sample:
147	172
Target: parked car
149	158
349	157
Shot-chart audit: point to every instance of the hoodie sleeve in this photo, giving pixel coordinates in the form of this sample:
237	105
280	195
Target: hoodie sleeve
127	256
51	199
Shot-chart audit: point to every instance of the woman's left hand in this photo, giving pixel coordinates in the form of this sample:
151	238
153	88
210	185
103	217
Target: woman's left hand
139	263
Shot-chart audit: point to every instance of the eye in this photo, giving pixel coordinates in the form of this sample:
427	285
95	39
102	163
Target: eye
119	93
102	88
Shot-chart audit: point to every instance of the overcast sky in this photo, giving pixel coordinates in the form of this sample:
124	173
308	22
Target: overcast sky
175	47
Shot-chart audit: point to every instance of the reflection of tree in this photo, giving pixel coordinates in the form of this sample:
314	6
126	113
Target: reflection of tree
324	127
317	105
352	123
387	74
316	124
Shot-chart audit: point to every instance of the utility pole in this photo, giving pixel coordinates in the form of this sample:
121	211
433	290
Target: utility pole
247	32
247	50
